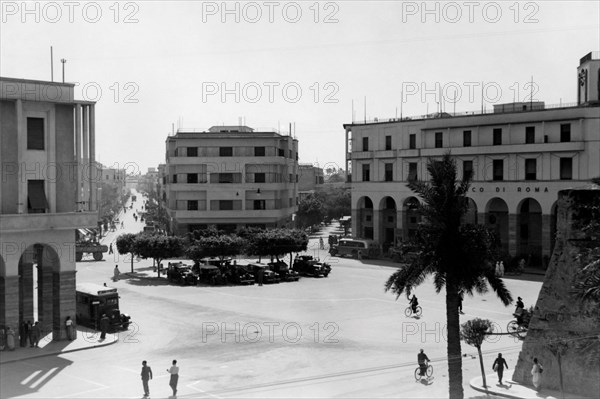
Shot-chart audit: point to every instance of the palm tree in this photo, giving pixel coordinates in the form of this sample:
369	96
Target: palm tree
457	256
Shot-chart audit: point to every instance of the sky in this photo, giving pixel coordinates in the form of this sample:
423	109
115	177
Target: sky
156	66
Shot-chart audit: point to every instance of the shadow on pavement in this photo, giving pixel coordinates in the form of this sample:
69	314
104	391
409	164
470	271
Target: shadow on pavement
33	377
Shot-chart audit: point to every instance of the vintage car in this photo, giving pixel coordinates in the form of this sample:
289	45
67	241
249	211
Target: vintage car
216	261
268	275
95	300
284	272
181	273
354	247
306	265
239	274
210	274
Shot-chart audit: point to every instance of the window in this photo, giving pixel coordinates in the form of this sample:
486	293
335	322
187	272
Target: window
36	197
225	151
259	178
192	178
497	136
566	168
388	143
192	151
412	141
259	151
365	144
530	169
529	134
565	132
35	133
389	172
192	205
412	171
466	138
467	170
498	166
366	172
259	205
225	177
281	152
174	179
225	205
439	140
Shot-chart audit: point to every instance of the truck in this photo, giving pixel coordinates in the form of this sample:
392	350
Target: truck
96	249
95	300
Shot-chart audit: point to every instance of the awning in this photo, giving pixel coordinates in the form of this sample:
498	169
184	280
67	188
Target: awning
36	195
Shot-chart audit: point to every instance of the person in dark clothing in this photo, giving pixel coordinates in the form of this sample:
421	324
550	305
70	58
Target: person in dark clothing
519	311
23	334
422	359
414	302
34	335
104	322
146	376
460	301
498	366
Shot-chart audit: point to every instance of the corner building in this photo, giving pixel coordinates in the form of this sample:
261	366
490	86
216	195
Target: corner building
230	177
520	156
47	191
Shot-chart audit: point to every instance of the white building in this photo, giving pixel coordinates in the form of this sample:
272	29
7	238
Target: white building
520	156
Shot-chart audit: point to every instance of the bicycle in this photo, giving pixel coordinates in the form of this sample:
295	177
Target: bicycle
428	372
408	312
516	329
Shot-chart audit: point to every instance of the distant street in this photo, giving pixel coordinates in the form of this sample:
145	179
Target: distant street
337	336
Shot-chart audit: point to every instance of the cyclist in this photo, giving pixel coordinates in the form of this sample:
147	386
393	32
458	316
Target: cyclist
414	302
519	311
422	359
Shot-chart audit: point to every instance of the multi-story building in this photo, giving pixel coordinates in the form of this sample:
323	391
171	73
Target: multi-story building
520	156
310	179
47	191
230	177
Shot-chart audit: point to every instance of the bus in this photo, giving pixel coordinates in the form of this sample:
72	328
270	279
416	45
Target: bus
94	300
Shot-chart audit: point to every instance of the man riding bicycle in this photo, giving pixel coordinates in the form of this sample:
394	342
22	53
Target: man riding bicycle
519	311
422	359
414	303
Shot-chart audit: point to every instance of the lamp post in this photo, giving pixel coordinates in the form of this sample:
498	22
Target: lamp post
64	61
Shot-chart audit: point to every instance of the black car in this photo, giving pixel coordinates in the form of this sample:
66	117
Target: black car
239	274
306	265
268	275
211	275
284	272
180	273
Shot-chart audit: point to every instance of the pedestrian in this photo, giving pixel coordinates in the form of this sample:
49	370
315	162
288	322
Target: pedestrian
501	268
146	376
29	331
498	367
10	338
110	250
536	374
69	328
23	334
261	273
321	244
35	335
174	371
116	273
122	225
103	326
461	294
498	269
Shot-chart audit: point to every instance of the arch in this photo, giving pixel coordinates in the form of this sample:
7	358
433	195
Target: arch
470	216
529	231
387	222
496	218
365	218
411	217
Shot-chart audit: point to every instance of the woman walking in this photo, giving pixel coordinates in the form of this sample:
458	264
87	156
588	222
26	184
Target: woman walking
536	374
174	371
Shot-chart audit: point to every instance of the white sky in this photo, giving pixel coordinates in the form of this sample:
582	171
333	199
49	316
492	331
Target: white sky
171	54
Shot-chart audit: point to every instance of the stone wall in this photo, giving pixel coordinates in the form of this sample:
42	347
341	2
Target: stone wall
561	322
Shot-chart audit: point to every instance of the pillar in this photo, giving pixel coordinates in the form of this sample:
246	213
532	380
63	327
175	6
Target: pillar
26	292
63	302
78	154
9	301
94	180
378	225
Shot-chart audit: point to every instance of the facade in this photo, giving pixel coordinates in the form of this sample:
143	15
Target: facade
48	190
310	179
149	181
520	156
114	178
230	177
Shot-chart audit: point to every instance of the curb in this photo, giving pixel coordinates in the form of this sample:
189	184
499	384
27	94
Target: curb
61	352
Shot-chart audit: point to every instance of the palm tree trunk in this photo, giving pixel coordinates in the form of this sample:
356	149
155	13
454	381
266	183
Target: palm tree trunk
131	262
454	351
482	368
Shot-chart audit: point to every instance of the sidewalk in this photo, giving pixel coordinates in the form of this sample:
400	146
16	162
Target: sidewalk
86	339
511	389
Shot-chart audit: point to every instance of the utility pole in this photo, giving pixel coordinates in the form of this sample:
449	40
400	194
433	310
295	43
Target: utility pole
63	67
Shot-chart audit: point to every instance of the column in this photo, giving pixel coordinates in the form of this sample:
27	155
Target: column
26	291
22	145
9	301
86	160
378	226
63	302
512	234
45	299
356	222
481	218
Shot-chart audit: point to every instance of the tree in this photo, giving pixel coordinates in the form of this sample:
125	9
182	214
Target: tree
277	242
310	211
126	244
473	332
216	246
458	256
158	247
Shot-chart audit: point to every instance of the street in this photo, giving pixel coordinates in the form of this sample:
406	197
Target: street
340	336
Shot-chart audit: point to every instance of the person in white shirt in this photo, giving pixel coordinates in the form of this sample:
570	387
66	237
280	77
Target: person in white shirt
174	371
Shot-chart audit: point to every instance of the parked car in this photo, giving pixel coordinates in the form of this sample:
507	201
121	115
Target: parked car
306	265
210	274
355	247
239	274
269	276
284	272
181	273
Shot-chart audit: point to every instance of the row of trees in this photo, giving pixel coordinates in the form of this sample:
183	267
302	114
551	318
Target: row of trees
322	205
212	243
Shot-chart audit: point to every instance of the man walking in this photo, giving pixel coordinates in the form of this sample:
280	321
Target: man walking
103	326
174	371
110	249
146	376
498	367
116	273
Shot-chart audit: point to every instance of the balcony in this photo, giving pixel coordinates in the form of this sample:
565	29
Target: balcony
47	221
